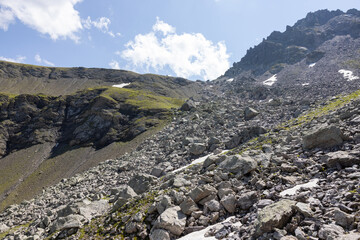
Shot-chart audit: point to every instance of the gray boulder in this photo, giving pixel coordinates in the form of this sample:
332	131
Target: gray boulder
238	165
250	113
325	136
125	193
245	135
197	148
188	105
141	182
71	221
247	200
342	158
202	192
173	220
188	206
331	232
343	219
159	234
273	216
229	203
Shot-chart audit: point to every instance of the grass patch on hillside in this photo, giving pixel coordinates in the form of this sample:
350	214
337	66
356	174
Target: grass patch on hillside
14	229
141	99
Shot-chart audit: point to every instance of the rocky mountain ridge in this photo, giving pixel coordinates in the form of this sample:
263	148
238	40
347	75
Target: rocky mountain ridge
18	78
297	42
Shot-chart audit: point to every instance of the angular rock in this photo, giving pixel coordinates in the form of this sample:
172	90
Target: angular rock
213	205
273	216
331	232
324	136
342	158
159	234
188	105
229	203
68	210
202	192
70	221
173	220
188	206
141	182
343	219
304	209
197	148
247	200
238	165
250	113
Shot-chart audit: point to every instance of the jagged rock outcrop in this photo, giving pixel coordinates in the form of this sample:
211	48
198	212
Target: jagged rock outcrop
297	42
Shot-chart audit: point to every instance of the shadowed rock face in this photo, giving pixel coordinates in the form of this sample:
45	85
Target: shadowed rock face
88	118
297	42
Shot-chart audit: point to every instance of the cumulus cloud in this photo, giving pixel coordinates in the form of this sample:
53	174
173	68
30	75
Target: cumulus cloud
114	64
40	60
186	54
57	18
163	27
18	59
101	23
6	18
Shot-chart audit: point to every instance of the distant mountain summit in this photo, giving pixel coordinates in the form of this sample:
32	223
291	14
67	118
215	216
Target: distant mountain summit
297	42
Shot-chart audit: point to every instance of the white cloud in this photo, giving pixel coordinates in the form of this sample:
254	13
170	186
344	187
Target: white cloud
163	27
185	54
57	18
6	18
40	60
114	64
101	24
18	59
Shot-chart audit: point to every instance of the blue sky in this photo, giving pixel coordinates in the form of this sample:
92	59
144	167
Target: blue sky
196	39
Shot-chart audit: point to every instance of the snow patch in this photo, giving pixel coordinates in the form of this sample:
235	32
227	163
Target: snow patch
305	84
230	80
292	191
270	81
312	65
121	85
200	235
197	161
349	75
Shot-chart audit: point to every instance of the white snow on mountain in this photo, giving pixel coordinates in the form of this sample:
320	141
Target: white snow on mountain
270	81
349	75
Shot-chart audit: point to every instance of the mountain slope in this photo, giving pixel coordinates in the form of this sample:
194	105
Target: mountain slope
257	156
46	138
18	78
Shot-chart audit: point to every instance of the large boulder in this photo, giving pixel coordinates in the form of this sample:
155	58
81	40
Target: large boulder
173	220
202	192
342	158
125	193
238	165
247	200
68	222
188	105
250	113
245	135
197	148
188	206
325	136
275	215
331	232
141	182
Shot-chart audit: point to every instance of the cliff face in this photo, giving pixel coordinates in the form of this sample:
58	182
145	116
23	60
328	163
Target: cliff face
297	42
95	117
